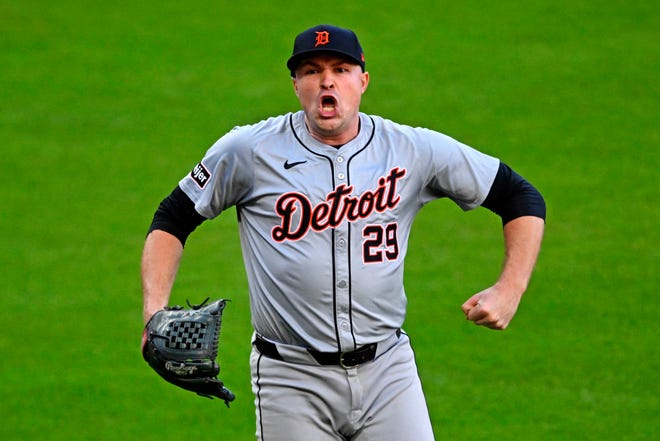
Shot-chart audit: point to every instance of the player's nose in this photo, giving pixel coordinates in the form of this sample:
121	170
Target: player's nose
327	80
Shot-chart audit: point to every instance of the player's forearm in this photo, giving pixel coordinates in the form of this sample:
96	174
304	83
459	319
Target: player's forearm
522	240
160	263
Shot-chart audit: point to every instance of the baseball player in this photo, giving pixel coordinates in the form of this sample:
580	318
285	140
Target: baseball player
325	198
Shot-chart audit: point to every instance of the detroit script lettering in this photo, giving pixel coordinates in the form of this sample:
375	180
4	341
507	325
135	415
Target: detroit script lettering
338	206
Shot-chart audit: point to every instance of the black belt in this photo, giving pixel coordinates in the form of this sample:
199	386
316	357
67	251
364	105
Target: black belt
345	359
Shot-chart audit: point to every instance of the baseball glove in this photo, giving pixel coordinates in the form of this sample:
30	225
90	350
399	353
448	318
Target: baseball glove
182	345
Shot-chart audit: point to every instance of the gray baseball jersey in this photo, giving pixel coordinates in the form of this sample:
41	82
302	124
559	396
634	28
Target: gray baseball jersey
324	230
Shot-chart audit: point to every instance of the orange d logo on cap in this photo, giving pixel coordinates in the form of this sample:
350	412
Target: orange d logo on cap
322	38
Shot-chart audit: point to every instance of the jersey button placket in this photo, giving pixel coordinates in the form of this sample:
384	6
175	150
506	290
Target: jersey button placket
342	275
341	175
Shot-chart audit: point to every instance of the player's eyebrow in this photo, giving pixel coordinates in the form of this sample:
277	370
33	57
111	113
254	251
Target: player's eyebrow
308	63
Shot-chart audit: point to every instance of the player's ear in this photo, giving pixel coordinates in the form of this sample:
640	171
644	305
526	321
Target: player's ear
365	81
295	85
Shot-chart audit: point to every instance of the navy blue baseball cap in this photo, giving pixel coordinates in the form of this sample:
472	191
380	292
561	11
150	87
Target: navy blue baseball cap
325	38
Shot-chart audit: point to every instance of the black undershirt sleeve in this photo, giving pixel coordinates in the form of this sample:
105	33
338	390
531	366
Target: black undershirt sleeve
176	215
511	196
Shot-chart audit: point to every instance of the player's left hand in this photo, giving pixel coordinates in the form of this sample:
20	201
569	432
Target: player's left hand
493	307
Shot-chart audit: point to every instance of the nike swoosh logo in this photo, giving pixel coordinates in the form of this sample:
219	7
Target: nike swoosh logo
288	165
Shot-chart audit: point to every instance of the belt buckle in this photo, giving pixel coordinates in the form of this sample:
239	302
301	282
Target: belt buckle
341	360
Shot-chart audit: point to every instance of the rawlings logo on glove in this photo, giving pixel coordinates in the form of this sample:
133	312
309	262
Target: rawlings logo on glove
182	345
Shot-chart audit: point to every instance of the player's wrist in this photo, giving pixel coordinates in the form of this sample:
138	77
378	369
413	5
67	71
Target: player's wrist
514	287
148	313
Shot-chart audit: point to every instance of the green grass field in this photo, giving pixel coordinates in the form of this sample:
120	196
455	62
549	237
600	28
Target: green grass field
105	105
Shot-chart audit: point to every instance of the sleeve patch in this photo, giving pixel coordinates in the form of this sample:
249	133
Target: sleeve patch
200	175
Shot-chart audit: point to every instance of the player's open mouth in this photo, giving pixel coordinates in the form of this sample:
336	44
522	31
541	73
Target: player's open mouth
328	105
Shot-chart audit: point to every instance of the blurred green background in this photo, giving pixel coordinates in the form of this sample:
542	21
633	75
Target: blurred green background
105	105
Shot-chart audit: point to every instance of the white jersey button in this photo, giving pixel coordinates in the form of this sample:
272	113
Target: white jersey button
341	176
340	159
342	284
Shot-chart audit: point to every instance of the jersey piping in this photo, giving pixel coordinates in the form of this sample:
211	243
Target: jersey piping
334	241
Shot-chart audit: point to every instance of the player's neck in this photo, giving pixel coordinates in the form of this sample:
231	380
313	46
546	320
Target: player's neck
335	140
